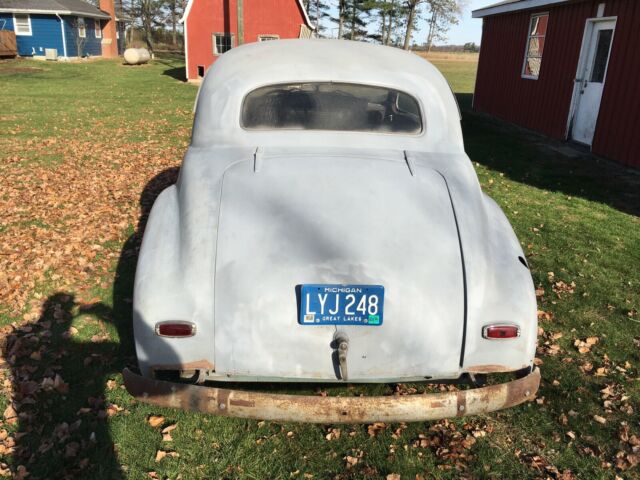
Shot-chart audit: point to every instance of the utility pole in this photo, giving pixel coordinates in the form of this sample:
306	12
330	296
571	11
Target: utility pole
240	13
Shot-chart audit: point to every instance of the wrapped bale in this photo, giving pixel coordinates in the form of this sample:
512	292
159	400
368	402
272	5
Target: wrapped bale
136	56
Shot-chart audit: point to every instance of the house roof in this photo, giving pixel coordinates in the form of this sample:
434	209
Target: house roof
512	6
307	20
60	7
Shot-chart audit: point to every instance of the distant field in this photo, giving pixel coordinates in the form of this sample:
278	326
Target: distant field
459	69
84	150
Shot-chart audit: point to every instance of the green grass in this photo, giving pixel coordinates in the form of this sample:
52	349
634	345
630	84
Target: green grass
576	217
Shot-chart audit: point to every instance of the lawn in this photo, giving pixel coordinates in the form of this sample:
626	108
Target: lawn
84	150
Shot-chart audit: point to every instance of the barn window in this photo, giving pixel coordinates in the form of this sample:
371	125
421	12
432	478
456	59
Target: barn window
266	38
82	28
22	24
535	45
222	42
97	28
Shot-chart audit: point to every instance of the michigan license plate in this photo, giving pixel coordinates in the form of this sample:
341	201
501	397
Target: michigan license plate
341	305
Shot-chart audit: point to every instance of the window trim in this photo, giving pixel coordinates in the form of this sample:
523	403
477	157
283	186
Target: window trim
215	45
526	46
266	37
82	33
15	25
97	27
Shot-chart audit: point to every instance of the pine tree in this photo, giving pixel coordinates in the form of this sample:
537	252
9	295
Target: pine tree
388	14
355	16
318	10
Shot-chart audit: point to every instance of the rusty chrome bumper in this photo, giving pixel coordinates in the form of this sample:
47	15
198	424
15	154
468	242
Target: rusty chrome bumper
316	409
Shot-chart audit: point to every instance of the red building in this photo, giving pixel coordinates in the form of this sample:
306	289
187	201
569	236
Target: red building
566	68
211	27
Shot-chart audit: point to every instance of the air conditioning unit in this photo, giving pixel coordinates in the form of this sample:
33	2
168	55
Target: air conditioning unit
51	54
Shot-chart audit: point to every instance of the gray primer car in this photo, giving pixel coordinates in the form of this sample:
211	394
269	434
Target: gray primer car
329	163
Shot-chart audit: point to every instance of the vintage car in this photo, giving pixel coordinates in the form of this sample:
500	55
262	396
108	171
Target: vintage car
327	226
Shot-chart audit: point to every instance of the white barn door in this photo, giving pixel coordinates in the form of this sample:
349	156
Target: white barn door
592	72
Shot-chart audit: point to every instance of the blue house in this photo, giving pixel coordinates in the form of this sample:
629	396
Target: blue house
71	28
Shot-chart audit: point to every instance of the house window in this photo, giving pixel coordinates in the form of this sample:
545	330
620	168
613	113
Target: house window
97	28
22	24
82	28
266	38
222	42
535	45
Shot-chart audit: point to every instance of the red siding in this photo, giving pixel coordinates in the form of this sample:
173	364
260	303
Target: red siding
543	104
262	17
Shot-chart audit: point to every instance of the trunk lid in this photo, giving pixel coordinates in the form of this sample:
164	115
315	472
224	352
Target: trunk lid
337	220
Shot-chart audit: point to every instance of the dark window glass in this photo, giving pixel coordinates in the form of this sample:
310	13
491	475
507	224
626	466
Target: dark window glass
222	42
331	106
602	56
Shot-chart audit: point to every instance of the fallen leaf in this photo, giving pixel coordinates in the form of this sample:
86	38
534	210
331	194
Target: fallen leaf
10	415
351	461
333	434
170	428
600	419
155	420
21	473
375	428
160	454
393	476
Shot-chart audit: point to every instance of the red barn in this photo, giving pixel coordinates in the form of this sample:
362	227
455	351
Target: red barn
211	27
566	68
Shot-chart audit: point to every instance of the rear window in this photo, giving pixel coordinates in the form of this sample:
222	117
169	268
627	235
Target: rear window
331	106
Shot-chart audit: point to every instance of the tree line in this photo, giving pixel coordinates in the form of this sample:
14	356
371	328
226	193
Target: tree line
389	22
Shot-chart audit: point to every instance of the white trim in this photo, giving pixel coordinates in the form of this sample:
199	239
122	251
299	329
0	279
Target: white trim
30	11
513	7
186	50
81	33
64	36
214	38
586	38
15	26
526	47
97	28
268	36
306	16
601	8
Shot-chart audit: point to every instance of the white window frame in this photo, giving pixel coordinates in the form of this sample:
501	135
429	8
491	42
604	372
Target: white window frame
97	27
82	32
222	34
526	47
268	37
15	25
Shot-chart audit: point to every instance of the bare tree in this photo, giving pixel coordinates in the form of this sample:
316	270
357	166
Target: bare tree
443	14
175	9
412	8
342	7
79	27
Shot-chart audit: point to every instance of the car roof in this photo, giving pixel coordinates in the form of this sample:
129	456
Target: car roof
254	65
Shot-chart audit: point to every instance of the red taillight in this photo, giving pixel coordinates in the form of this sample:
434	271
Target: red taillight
175	329
500	331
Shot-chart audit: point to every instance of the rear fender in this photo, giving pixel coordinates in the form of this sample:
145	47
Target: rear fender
508	297
159	294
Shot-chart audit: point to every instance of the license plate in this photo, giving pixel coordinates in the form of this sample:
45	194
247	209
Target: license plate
341	305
